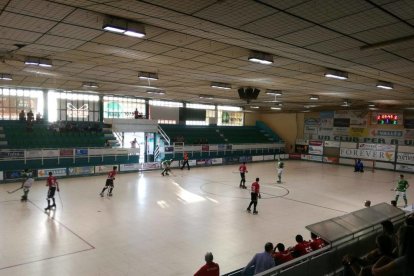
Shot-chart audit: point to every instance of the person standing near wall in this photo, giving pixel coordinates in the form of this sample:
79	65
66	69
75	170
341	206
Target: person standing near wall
255	194
185	161
280	166
243	171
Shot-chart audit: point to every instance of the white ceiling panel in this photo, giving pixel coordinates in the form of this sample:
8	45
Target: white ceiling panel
185	6
384	33
40	8
57	41
404	9
18	35
153	47
76	32
308	36
175	38
234	13
24	22
283	4
117	40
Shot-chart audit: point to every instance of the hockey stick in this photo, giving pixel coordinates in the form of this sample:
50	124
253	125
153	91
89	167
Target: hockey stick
61	202
10	192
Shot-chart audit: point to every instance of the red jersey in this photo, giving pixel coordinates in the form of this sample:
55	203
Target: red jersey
243	168
317	243
302	248
255	187
209	269
51	181
185	156
282	257
111	175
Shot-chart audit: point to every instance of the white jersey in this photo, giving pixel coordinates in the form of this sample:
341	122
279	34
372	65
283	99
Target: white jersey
28	183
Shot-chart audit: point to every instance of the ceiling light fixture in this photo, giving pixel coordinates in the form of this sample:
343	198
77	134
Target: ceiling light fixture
310	106
336	74
221	85
314	98
254	107
346	103
276	108
43	62
89	84
260	57
371	105
147	76
385	85
123	26
156	91
4	76
274	92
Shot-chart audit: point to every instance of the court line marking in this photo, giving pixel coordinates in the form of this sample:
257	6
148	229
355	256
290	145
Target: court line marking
57	256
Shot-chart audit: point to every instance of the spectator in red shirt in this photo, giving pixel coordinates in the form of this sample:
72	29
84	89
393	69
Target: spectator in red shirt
302	247
255	193
316	242
210	268
243	171
283	255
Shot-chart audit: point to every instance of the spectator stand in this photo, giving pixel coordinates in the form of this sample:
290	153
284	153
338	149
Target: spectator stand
351	233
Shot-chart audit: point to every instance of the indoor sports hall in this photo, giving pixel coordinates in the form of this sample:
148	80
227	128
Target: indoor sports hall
155	225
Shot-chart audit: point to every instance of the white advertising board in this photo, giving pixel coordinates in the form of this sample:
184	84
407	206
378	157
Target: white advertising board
257	158
215	161
129	167
56	172
368	154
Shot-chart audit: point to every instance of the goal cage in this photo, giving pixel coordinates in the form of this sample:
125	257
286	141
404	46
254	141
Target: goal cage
369	164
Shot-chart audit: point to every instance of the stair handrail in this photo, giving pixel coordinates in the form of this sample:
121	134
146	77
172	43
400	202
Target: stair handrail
164	135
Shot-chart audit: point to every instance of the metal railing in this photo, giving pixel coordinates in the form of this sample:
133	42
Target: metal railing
164	135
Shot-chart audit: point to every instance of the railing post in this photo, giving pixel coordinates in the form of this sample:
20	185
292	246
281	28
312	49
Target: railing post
42	156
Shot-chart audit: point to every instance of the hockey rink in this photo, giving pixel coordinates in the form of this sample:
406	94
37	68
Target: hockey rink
155	225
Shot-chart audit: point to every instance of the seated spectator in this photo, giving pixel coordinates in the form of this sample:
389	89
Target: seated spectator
262	261
409	221
361	266
403	264
22	116
359	166
38	117
316	242
388	229
301	248
107	144
30	116
210	268
283	255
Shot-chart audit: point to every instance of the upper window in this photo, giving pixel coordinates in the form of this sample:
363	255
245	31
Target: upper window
123	107
13	101
165	103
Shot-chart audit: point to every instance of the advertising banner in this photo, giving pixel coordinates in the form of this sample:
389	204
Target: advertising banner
302	142
340	131
129	167
81	152
16	174
192	162
295	156
404	168
15	154
405	157
221	147
1	176
229	147
312	121
315	147
408	134
213	147
358	132
257	158
388	156
366	146
310	129
178	147
169	148
245	159
104	168
34	154
386	133
205	148
50	153
215	161
342	122
81	170
326	122
332	144
333	160
152	165
204	162
268	157
56	172
348	145
231	160
66	152
327	114
316	158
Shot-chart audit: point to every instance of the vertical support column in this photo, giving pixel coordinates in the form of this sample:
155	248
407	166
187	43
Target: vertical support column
101	109
147	109
45	106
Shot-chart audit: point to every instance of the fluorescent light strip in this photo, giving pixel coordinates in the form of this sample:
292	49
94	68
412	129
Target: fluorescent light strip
261	61
133	34
254	107
335	77
385	85
6	77
314	98
113	29
276	108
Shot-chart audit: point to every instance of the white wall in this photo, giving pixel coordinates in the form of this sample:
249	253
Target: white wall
164	113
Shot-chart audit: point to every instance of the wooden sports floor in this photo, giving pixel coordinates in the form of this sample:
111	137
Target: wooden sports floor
155	225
